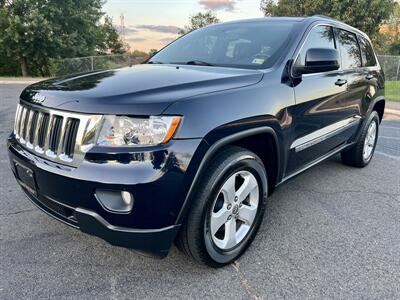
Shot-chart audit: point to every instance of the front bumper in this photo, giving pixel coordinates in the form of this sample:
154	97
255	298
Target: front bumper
156	178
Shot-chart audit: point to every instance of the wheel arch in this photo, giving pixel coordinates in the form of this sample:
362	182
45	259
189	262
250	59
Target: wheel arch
379	107
238	138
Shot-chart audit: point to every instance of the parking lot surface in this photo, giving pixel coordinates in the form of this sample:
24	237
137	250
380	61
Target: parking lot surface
331	232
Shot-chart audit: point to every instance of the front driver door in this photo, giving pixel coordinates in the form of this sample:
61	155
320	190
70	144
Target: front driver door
321	112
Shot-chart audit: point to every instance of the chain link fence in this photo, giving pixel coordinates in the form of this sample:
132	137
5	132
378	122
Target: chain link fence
391	66
92	63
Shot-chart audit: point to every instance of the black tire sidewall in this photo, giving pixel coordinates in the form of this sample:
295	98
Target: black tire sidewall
372	118
249	164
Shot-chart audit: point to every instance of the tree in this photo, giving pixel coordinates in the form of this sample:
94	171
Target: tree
152	52
365	15
33	32
393	34
109	40
200	20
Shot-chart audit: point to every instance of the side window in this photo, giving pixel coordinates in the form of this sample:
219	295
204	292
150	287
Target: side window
319	37
351	56
367	53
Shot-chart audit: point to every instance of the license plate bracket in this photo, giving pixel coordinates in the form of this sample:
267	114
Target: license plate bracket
26	177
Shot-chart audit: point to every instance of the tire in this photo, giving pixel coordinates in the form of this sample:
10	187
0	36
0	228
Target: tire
358	156
233	167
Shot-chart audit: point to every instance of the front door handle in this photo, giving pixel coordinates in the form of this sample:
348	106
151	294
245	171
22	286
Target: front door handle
369	77
341	82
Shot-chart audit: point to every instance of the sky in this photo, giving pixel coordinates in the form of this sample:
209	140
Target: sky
151	24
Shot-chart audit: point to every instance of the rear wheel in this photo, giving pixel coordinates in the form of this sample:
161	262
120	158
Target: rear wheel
361	153
227	209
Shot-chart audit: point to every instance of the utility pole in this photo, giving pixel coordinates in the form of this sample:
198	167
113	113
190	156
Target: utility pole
122	26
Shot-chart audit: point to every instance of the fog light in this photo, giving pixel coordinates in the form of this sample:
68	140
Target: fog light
116	202
127	197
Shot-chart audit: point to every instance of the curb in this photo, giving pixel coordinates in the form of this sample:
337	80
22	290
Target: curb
392	111
17	82
21	81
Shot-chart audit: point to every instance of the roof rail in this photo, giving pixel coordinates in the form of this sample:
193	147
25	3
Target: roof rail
340	22
325	17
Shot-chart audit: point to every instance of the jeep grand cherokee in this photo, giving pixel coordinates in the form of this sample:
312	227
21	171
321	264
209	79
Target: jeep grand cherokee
188	146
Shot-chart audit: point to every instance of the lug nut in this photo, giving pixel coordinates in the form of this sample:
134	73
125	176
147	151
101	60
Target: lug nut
236	198
230	217
229	206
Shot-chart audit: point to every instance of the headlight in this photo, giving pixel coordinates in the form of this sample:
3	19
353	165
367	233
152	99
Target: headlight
126	131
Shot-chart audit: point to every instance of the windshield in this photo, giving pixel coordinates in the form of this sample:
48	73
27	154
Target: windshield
253	45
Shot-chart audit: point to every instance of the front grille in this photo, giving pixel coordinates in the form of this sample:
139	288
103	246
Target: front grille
56	135
55	132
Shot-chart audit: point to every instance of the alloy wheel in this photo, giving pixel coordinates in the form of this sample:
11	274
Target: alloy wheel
369	142
234	210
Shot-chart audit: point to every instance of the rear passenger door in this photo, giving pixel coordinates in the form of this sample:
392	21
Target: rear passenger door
371	73
354	73
321	110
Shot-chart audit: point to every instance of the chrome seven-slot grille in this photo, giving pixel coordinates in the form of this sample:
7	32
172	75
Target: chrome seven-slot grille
55	135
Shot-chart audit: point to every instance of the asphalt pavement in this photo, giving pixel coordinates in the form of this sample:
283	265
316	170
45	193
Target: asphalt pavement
331	232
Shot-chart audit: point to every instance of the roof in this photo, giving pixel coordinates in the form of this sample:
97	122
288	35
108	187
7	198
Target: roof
309	20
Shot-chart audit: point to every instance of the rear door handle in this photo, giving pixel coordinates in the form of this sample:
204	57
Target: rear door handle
341	82
369	77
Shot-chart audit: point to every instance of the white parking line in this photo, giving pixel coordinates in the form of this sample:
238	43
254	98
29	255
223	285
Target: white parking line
388	155
389	137
389	127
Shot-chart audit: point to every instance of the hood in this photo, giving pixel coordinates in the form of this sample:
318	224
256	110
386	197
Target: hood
136	90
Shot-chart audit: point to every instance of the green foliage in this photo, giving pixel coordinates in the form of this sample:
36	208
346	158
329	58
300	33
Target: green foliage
366	15
34	32
152	52
200	20
138	53
109	38
392	90
387	40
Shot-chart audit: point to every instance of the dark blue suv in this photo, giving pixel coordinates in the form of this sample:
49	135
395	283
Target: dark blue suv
188	146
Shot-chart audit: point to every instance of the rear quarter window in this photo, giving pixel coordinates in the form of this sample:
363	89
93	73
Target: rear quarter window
367	53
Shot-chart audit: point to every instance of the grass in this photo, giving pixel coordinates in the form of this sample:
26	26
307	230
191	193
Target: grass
392	91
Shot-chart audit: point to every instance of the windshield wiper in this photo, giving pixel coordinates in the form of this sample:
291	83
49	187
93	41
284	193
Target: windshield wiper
155	62
194	62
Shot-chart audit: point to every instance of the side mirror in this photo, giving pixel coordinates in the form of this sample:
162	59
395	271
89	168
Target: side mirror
319	60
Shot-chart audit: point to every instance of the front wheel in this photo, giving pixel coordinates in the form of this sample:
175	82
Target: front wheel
361	153
227	210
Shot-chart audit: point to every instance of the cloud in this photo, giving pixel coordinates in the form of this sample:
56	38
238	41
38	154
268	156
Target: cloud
136	39
160	28
129	30
228	5
167	40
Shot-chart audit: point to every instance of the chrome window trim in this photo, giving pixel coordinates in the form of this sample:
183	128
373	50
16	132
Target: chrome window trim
323	134
297	53
372	48
333	25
